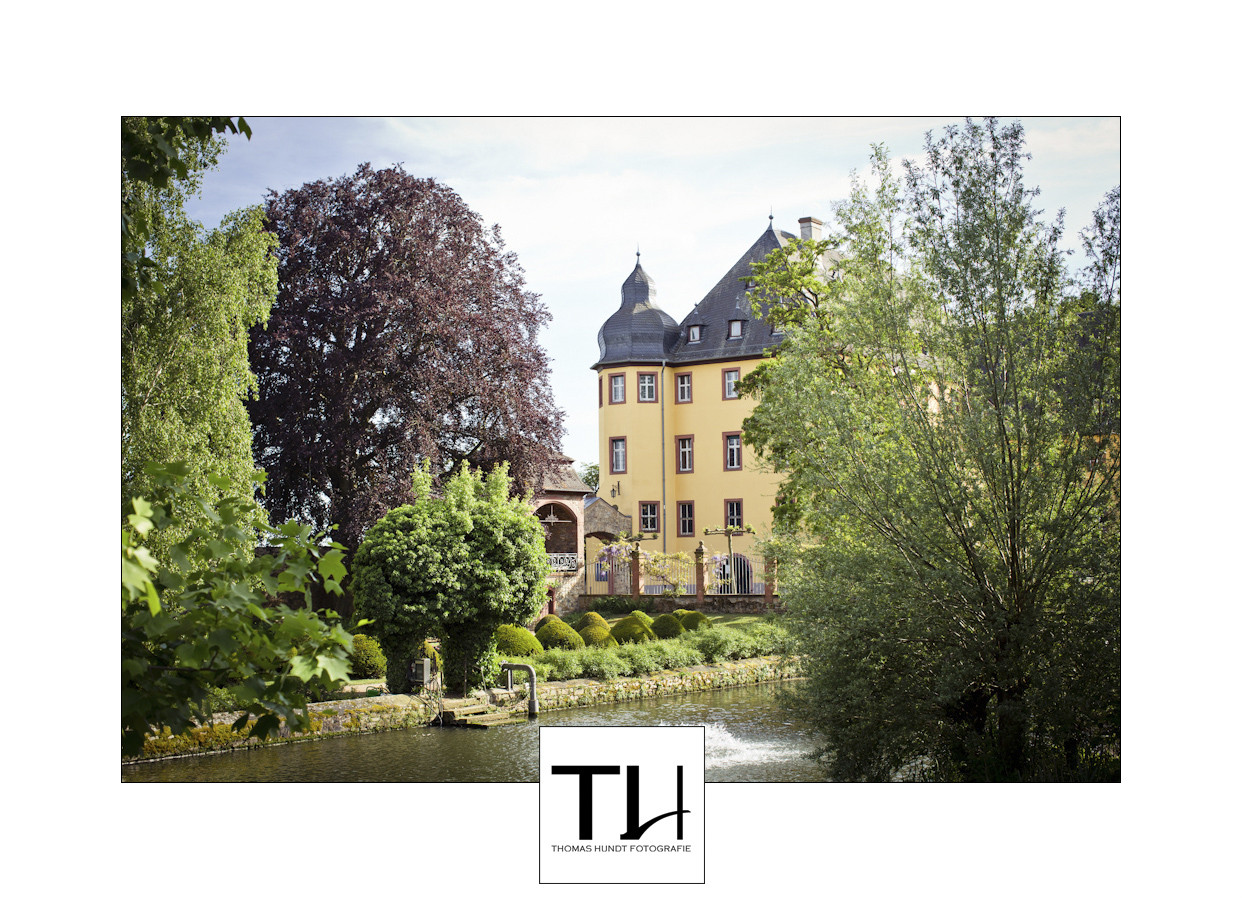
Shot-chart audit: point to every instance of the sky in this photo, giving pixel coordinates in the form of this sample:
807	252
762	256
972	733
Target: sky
575	198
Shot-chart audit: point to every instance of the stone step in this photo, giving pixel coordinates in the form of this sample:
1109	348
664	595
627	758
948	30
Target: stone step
459	702
462	713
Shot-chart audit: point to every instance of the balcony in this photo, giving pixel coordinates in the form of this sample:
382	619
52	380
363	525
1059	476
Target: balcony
564	562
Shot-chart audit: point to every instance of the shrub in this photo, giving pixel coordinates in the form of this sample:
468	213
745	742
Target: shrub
559	665
681	612
513	640
667	626
632	630
642	616
589	619
597	636
559	635
550	617
658	655
368	658
767	639
600	662
715	644
693	620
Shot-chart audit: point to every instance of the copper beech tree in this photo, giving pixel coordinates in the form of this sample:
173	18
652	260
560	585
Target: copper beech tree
402	333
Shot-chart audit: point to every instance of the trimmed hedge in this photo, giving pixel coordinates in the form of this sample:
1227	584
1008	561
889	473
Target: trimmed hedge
693	620
513	640
632	630
641	616
597	636
589	619
667	626
368	658
550	617
556	634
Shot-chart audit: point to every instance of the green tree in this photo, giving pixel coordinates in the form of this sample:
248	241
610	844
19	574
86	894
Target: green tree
589	473
454	566
948	422
208	618
185	325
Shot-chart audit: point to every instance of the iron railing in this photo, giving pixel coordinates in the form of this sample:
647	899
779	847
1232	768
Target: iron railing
564	562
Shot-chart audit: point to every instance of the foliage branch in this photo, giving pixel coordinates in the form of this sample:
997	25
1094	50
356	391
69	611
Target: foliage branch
212	615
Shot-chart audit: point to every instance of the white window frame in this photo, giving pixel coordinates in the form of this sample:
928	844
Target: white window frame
649	522
646	380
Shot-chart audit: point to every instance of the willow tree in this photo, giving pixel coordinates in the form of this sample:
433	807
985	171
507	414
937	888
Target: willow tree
946	410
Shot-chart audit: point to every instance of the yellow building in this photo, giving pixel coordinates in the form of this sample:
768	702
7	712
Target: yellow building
670	420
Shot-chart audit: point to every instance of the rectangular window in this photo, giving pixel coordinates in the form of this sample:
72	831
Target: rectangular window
685	389
648	517
733	514
685	518
618	389
735	328
733	450
601	390
617	459
694	334
646	387
731	377
685	453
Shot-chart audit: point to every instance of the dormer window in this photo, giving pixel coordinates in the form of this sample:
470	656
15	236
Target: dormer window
694	334
735	328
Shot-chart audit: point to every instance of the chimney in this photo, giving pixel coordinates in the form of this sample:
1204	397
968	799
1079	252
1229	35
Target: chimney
811	228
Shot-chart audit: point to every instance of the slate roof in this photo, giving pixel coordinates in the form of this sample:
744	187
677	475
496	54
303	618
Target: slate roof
641	332
638	332
729	300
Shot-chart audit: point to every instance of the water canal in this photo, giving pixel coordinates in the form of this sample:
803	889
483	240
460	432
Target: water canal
749	738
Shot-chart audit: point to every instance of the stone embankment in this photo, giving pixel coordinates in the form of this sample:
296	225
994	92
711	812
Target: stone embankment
388	712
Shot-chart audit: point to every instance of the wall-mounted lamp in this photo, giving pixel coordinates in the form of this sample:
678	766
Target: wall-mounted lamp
616	489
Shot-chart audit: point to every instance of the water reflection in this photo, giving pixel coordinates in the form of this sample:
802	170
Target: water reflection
748	739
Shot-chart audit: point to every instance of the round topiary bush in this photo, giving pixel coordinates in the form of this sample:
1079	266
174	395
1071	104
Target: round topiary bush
682	613
556	634
590	619
632	630
368	658
550	617
694	620
597	636
667	626
642	617
513	640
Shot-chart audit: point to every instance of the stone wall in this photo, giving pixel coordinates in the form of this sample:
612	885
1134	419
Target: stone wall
588	692
388	712
662	603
